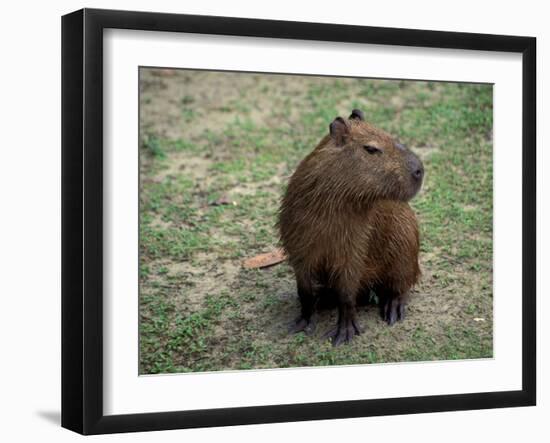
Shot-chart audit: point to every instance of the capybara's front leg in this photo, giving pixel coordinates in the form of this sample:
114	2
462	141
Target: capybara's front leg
393	307
347	326
308	300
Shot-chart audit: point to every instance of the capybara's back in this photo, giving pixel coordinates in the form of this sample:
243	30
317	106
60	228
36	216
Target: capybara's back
345	223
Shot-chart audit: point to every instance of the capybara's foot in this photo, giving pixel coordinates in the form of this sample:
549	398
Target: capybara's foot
344	332
393	310
301	324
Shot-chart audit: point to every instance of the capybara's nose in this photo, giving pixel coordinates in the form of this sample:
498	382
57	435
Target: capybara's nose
416	167
418	173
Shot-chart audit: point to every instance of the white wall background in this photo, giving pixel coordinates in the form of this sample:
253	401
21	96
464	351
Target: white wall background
30	219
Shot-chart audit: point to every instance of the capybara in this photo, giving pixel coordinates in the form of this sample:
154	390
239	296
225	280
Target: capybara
346	226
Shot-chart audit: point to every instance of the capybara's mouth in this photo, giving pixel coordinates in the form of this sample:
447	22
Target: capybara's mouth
416	168
416	184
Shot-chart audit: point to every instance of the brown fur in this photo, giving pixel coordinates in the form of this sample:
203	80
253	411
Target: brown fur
346	226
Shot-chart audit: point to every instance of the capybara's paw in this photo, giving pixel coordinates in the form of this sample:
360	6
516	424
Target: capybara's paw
344	332
301	324
393	310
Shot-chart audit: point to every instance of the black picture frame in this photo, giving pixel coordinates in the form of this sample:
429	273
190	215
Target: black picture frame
82	218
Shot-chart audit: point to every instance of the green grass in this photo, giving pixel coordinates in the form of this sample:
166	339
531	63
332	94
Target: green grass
200	310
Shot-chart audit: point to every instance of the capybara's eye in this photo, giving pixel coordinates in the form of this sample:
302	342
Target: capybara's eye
372	149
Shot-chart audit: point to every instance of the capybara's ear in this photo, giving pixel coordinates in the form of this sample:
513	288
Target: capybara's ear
357	114
339	131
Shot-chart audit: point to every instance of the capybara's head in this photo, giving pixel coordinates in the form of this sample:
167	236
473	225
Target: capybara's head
370	163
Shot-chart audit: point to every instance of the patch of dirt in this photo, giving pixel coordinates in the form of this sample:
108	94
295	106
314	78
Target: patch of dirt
189	165
158	222
165	99
271	185
425	152
398	103
201	278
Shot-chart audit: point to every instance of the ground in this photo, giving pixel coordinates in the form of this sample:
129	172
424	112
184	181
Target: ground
216	151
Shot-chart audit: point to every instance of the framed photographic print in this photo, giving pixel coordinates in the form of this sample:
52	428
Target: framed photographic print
269	221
